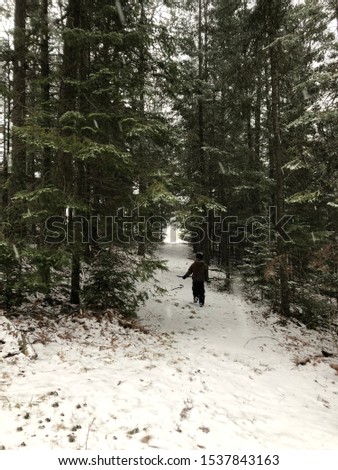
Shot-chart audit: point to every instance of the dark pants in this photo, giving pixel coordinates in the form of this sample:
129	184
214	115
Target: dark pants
198	291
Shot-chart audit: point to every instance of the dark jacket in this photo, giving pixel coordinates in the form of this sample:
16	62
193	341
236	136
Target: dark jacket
199	271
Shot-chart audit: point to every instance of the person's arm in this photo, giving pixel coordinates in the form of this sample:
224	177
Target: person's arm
206	272
189	272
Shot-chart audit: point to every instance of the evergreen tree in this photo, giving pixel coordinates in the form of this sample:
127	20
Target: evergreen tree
211	113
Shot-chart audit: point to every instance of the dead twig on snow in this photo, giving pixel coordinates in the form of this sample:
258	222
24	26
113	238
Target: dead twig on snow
262	337
89	428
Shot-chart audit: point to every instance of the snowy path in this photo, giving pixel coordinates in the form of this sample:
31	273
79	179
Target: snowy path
244	385
211	377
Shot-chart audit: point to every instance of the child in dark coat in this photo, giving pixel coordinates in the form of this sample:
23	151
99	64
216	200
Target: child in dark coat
199	271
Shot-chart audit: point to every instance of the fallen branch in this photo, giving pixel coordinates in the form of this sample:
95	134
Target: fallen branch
335	367
262	337
87	437
21	341
132	324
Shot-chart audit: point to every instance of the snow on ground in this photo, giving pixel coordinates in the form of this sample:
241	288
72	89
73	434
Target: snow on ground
221	376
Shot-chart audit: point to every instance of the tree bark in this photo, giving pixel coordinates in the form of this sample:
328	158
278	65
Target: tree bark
270	129
258	113
277	152
68	102
19	96
75	275
203	172
45	72
200	99
142	245
69	91
6	151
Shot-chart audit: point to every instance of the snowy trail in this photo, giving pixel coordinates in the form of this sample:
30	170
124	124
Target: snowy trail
217	377
255	390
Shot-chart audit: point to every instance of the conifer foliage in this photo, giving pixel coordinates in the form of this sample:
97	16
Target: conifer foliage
257	76
83	140
118	115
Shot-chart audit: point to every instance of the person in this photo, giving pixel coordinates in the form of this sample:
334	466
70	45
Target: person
199	271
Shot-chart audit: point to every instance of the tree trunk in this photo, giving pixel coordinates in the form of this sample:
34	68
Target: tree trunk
255	158
270	130
247	113
258	113
6	152
225	254
19	96
68	102
200	99
142	245
75	277
277	152
45	72
203	172
69	91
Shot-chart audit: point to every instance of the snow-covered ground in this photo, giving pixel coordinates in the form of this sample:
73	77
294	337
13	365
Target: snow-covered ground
204	378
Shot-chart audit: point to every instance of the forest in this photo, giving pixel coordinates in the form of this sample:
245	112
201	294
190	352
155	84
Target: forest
121	118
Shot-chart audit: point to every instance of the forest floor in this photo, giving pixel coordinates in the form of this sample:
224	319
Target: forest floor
225	375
